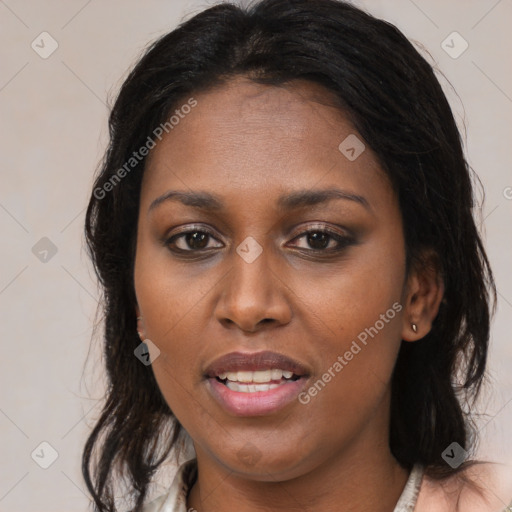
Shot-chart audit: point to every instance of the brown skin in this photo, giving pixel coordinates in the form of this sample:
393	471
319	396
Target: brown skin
249	144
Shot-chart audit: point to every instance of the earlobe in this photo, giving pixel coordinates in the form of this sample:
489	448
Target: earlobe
425	291
140	326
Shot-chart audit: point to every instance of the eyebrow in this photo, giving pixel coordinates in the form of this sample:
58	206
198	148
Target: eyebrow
297	199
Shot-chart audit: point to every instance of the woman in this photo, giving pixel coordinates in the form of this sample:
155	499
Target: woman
284	218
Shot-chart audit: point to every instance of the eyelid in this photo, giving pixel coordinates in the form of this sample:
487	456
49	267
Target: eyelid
320	226
192	227
303	230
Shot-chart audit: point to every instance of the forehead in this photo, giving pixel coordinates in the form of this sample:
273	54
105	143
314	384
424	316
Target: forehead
254	138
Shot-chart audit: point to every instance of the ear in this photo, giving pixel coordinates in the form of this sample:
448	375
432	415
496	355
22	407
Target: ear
423	295
140	323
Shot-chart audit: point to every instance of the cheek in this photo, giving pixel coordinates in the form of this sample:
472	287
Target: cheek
169	299
168	292
355	371
359	313
352	296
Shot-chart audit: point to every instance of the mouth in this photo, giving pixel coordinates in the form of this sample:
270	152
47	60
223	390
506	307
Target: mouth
255	384
256	381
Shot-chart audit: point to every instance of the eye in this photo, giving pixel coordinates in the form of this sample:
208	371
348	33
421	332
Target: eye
324	240
319	239
191	241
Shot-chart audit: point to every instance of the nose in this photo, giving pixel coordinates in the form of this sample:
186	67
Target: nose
253	296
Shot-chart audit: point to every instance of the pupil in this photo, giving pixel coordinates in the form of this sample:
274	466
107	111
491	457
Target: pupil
197	240
318	240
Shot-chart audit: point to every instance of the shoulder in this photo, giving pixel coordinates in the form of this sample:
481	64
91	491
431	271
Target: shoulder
482	487
155	505
176	498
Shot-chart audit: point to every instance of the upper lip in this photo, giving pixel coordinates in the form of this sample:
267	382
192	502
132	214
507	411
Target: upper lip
243	361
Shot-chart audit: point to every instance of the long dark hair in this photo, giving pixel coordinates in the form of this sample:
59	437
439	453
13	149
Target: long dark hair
394	100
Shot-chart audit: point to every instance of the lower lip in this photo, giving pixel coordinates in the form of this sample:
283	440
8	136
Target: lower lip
258	403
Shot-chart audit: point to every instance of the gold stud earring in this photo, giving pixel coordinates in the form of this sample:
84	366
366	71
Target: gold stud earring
414	327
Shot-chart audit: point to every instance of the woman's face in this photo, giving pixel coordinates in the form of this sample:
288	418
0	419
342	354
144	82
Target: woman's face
317	281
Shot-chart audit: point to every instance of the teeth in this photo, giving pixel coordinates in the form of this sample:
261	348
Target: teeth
260	376
250	388
264	376
242	377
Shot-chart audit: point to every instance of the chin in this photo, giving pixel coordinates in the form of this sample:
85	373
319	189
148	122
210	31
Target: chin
253	463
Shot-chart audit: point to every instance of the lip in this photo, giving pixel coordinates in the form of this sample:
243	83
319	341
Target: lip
244	361
259	403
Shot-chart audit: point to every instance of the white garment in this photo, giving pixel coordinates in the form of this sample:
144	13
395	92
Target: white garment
176	499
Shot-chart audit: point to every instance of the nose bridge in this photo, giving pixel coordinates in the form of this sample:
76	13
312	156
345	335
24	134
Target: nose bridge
252	292
252	275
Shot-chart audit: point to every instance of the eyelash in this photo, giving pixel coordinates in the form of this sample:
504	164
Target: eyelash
342	241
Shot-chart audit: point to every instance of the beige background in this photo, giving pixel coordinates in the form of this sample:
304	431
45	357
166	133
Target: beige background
53	122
